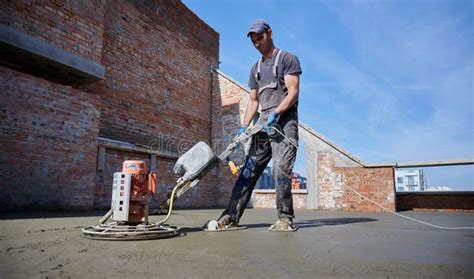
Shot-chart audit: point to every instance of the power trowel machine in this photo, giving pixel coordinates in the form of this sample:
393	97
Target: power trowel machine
133	186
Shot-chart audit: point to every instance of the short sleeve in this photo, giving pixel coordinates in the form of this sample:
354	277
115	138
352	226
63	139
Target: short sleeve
291	65
252	82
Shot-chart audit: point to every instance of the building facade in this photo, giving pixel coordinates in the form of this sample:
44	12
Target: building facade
409	180
266	180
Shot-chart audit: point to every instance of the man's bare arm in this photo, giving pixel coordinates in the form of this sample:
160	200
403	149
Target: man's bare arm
252	107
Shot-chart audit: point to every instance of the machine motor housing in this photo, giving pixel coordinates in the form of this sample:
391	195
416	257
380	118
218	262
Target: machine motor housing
130	192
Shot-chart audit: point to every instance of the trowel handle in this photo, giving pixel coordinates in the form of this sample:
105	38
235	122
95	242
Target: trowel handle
233	168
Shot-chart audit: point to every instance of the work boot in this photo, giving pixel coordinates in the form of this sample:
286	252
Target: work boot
283	225
225	222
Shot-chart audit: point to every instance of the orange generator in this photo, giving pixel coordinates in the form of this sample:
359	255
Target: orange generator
131	189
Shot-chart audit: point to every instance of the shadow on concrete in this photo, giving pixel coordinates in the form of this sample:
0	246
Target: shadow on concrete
319	222
256	226
9	215
187	230
332	222
43	214
301	224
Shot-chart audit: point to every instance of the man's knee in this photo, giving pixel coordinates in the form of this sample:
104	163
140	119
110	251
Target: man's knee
247	170
282	169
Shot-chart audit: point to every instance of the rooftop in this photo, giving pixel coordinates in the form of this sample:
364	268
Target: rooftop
328	243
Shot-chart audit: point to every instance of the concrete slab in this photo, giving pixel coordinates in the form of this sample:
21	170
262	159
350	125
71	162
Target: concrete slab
327	244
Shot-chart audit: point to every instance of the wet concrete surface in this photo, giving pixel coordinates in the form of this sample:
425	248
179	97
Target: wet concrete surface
328	244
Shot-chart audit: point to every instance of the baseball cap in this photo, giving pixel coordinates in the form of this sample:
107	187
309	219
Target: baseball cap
259	26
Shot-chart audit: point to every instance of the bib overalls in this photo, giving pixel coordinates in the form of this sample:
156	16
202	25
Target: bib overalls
263	148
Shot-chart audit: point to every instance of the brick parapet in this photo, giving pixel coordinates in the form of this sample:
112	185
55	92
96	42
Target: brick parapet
444	201
337	185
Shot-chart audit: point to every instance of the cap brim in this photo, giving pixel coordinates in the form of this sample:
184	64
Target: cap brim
260	31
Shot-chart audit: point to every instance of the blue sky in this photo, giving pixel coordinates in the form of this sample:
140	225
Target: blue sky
389	81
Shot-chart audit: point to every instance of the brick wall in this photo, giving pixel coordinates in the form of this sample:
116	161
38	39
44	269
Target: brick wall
229	103
48	135
157	82
158	58
75	26
446	201
157	86
335	182
267	200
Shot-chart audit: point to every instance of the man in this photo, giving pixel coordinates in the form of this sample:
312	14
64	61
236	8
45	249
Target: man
274	85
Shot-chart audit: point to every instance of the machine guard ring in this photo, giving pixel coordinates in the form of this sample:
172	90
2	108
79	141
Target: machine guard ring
117	231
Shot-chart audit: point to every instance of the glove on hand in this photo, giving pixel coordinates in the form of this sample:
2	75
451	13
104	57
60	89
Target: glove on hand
241	130
272	119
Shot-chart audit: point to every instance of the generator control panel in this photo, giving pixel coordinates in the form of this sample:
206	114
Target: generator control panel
121	195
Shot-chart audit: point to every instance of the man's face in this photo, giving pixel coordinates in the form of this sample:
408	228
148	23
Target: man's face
262	42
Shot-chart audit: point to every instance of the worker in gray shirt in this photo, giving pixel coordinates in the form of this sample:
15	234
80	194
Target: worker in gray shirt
274	85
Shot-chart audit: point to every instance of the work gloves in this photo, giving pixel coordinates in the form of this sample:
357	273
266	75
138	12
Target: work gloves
271	123
272	119
241	130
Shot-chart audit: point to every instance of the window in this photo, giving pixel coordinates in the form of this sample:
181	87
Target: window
266	180
411	180
400	189
400	180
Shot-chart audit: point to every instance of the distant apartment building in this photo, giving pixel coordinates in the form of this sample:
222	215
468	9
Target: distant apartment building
266	180
409	180
438	188
297	181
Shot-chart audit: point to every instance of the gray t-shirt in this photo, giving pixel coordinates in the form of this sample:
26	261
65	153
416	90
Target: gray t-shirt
289	65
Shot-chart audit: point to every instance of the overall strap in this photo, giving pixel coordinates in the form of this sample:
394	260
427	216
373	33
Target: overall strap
275	66
275	63
257	73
